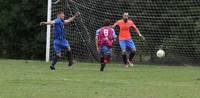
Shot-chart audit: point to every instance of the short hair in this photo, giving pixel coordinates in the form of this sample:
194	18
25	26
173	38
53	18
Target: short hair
106	22
60	12
125	12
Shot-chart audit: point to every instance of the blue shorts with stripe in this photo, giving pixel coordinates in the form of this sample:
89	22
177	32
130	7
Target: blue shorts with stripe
105	50
124	44
60	44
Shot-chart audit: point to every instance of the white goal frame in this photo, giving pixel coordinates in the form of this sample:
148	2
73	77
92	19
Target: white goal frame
48	31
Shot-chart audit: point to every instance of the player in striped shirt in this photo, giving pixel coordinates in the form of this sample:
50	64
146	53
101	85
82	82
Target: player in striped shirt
104	40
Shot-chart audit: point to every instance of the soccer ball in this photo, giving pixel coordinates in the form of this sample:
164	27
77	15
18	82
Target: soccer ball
160	53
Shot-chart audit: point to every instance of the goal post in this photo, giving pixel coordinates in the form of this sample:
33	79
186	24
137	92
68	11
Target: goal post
48	33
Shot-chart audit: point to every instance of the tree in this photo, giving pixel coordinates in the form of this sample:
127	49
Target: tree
19	28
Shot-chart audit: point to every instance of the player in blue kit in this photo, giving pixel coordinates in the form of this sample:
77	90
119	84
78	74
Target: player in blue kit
59	41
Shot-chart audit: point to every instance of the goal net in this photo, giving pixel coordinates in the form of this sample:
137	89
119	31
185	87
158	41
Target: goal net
172	25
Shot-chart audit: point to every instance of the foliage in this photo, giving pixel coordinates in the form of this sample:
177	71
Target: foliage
19	29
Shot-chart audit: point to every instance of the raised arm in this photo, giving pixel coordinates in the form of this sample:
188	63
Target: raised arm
47	23
72	18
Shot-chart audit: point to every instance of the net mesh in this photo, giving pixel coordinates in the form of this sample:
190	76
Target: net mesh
173	25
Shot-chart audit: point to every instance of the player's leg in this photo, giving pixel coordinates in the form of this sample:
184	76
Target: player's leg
102	63
66	45
131	45
57	49
122	44
108	56
102	59
105	56
70	57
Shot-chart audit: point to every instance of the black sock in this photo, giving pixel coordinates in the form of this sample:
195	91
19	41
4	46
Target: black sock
131	56
70	58
55	60
124	57
101	60
102	63
102	67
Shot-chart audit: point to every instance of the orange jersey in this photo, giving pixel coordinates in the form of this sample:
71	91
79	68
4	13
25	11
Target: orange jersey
124	32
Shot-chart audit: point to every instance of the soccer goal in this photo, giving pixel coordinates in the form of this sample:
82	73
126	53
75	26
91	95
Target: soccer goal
171	25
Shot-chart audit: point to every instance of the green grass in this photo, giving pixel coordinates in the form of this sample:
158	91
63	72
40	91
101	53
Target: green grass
19	79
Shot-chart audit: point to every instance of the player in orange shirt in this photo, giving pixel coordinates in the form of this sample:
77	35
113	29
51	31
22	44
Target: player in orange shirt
125	39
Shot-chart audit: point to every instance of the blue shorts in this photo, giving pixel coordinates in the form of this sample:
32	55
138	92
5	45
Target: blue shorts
105	50
60	44
127	44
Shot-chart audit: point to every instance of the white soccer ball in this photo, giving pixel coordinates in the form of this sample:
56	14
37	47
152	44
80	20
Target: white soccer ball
160	53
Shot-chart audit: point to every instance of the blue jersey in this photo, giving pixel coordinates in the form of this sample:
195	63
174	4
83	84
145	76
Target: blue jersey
59	32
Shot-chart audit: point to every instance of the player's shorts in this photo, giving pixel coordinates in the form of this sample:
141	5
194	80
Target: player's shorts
59	45
105	50
127	44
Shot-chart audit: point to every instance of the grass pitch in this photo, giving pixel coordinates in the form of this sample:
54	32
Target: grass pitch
34	79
